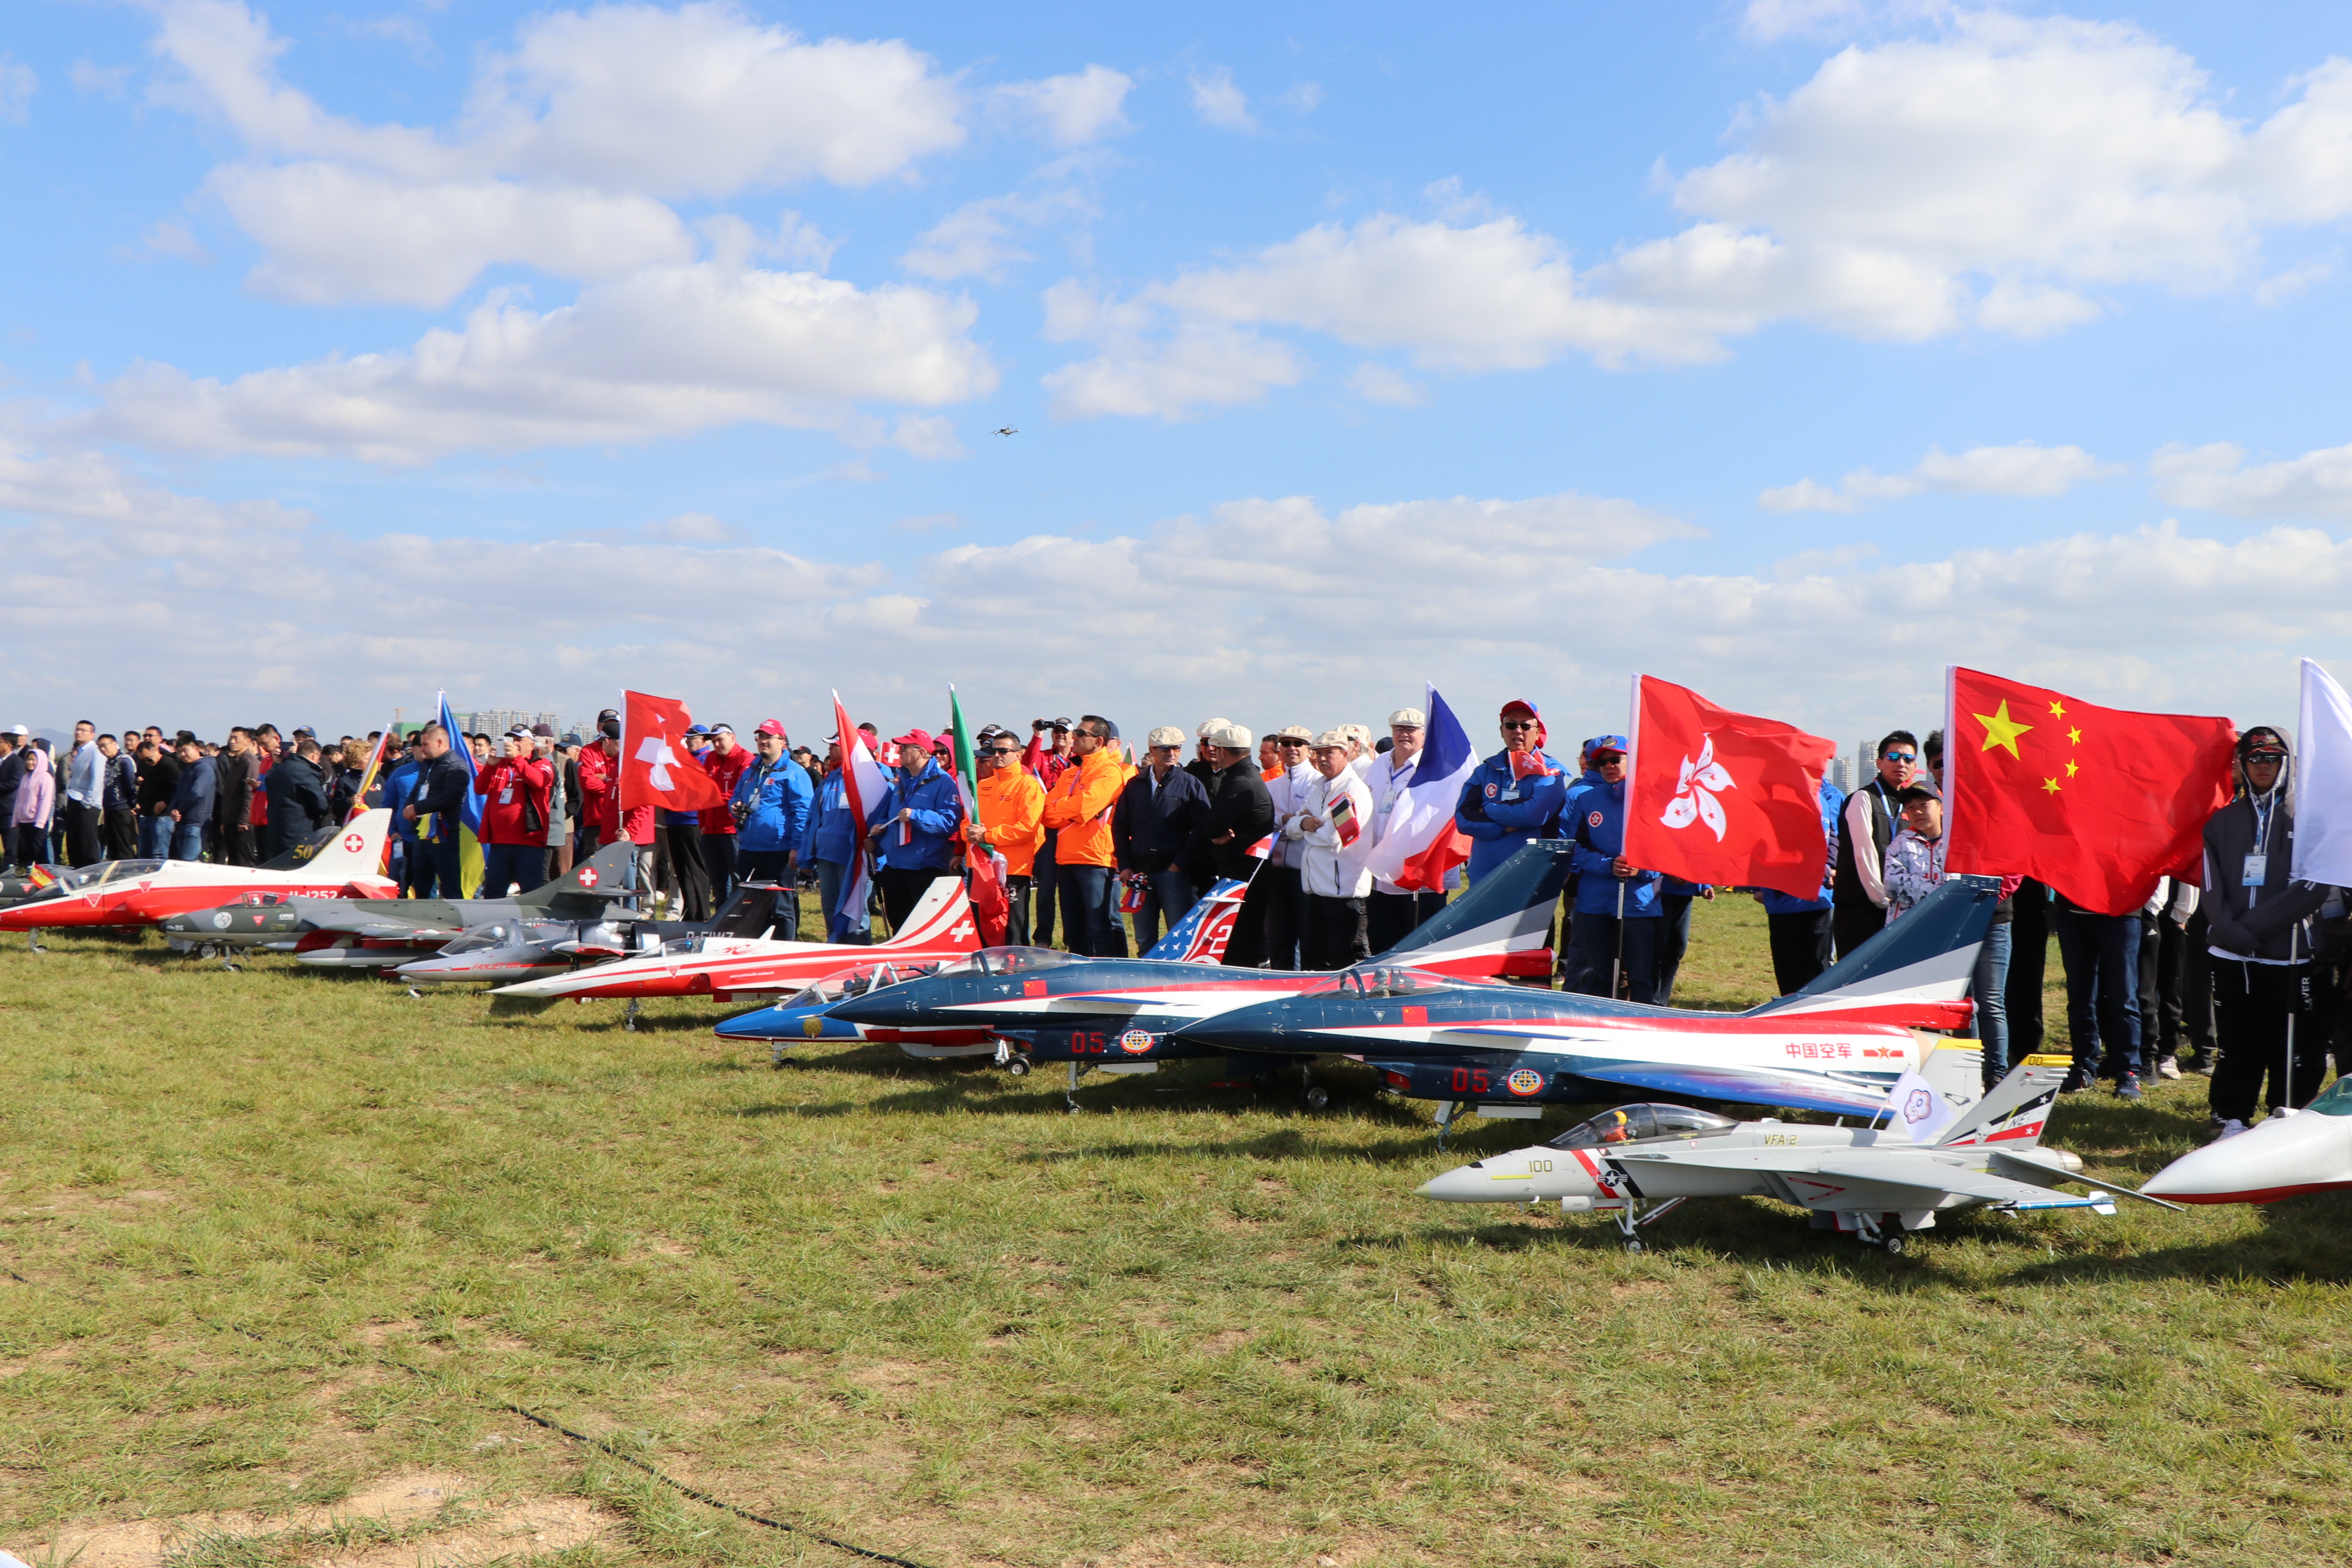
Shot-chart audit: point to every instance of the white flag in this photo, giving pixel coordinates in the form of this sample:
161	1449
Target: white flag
2322	785
1920	1113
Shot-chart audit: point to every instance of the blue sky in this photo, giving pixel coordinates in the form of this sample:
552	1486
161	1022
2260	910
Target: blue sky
1792	350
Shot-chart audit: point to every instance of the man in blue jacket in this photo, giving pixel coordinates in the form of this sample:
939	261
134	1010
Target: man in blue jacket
772	804
191	800
1800	929
920	827
414	864
1514	797
832	842
1618	907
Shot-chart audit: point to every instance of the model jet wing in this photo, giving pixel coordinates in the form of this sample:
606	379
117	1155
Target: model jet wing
1739	1084
1924	1172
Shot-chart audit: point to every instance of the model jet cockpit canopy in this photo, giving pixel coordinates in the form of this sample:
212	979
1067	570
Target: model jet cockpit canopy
1379	980
1008	961
858	980
1632	1123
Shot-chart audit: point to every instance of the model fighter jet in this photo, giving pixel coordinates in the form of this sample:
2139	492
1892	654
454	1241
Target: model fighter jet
1834	1045
1124	1014
342	862
1941	1149
2284	1154
369	933
504	951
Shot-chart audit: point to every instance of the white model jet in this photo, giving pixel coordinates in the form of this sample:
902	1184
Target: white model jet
2306	1151
1875	1183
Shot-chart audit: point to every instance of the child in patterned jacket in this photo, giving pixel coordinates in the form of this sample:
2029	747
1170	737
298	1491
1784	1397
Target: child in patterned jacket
1915	859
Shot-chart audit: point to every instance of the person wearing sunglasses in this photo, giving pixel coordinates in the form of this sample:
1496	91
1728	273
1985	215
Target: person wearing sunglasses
1152	830
1010	806
1858	891
1514	797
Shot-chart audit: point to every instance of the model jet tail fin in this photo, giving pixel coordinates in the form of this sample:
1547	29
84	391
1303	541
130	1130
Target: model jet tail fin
942	916
1201	935
1916	972
603	875
355	850
1507	912
2015	1111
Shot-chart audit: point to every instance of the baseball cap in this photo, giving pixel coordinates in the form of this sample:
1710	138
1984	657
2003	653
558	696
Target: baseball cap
19	730
1209	730
571	738
519	732
917	737
608	713
772	727
1408	718
1059	723
722	729
1110	730
1165	735
1608	743
1231	737
1921	788
546	730
697	729
2261	741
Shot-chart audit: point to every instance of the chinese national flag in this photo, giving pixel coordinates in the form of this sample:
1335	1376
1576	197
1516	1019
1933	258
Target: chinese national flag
657	769
1721	797
2095	802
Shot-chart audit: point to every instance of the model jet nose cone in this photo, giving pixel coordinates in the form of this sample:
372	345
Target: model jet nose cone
2278	1158
1462	1185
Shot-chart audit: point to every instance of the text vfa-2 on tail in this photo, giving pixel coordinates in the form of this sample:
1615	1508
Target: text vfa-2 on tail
1939	1147
1835	1045
1130	1015
339	863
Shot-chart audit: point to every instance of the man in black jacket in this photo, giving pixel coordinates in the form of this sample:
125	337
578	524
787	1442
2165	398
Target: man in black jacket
1857	893
1151	831
159	781
2257	917
1240	812
297	789
440	791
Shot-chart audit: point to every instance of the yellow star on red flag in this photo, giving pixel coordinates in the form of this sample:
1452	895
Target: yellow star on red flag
2000	730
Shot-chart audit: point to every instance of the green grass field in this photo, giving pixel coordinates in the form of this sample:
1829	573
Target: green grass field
921	1308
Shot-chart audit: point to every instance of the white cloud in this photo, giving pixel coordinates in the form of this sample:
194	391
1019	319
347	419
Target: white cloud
981	237
2021	468
18	82
2000	174
570	145
931	436
1769	21
164	237
1219	102
1376	382
1075	110
666	350
2215	477
1196	368
1303	98
1258	608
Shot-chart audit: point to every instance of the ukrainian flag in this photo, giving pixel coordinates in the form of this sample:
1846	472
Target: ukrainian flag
469	829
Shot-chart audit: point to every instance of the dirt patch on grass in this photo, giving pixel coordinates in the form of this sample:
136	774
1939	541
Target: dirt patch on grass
426	1517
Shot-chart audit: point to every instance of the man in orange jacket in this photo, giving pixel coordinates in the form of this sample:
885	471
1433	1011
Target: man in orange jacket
1011	806
1078	810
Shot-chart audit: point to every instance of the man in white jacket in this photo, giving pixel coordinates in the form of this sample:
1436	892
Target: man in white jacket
1330	834
1285	905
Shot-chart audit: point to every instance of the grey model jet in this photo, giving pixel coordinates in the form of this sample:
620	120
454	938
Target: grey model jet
1875	1183
508	951
369	933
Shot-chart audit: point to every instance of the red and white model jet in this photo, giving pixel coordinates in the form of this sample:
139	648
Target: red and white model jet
343	863
721	967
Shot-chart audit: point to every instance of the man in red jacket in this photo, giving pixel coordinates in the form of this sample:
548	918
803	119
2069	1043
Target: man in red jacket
515	789
725	762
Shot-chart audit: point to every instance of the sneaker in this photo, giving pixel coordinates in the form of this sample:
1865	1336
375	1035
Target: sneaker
2129	1087
2168	1066
2229	1129
2205	1068
2075	1083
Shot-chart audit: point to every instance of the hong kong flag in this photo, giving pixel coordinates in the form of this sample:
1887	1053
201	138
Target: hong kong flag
1716	796
2095	802
657	769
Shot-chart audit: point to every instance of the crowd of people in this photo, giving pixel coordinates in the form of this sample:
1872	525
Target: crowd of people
2242	977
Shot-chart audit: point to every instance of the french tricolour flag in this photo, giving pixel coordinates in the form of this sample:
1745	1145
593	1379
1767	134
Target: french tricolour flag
1419	843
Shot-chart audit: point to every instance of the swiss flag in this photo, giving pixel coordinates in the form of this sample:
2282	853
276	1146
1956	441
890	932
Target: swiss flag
657	769
1721	797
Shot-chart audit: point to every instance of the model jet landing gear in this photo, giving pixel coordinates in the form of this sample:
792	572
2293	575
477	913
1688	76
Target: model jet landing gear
629	1016
1447	1110
1018	1067
1633	1216
1313	1095
1070	1095
1890	1240
32	939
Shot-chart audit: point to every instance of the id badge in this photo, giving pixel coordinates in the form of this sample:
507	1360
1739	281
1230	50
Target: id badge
506	795
1512	793
2257	867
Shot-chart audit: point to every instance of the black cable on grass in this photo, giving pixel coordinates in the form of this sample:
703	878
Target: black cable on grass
536	1419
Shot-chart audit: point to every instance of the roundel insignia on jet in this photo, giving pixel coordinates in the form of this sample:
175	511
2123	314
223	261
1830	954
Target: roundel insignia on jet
353	843
588	877
1134	1042
1594	819
1494	790
220	920
1524	1080
813	1027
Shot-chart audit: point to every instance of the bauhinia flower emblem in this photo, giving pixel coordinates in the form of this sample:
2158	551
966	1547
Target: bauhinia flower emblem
1696	790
